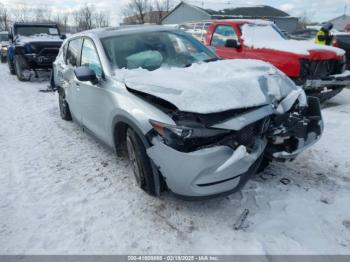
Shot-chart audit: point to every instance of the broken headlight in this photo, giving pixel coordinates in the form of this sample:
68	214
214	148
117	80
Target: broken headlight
187	139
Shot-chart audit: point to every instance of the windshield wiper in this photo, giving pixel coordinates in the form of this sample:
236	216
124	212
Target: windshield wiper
211	59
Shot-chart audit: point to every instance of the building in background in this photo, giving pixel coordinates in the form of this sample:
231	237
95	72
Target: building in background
185	13
340	22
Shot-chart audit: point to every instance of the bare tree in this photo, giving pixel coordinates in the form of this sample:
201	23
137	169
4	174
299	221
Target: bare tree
136	10
64	25
83	18
101	19
38	14
4	18
88	18
162	8
20	14
146	11
304	20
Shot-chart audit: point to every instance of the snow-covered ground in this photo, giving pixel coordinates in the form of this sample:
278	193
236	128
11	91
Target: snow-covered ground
61	192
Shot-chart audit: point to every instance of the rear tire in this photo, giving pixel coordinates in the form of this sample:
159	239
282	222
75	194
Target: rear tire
64	107
3	59
140	162
20	67
11	67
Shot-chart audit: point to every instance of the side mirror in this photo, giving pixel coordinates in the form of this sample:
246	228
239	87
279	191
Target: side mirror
63	37
10	35
85	74
231	43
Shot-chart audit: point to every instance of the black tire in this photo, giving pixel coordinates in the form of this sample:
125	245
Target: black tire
64	107
20	66
52	82
265	162
11	67
3	59
140	162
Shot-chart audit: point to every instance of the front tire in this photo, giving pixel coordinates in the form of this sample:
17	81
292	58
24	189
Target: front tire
64	107
140	162
21	66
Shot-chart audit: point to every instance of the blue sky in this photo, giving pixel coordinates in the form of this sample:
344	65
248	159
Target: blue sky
319	11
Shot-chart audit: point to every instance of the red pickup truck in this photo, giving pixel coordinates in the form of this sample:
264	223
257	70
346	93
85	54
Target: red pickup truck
319	69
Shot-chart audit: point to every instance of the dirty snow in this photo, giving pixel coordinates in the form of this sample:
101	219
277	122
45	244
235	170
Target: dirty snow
198	88
61	192
266	37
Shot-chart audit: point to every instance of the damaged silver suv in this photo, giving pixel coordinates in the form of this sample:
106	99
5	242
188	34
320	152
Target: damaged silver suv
189	122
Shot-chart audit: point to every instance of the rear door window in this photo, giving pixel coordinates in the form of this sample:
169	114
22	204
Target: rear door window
222	34
73	52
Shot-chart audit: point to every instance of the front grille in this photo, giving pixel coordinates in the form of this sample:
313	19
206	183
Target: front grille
321	69
49	52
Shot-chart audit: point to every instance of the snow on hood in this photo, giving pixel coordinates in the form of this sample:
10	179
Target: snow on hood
39	38
212	87
266	37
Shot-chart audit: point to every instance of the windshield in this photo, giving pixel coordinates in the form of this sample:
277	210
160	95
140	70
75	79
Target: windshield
253	33
154	50
4	37
36	30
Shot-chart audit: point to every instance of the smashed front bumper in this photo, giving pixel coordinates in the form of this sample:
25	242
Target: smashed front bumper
298	132
222	169
206	172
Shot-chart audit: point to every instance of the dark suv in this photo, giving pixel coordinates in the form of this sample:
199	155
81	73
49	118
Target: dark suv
33	47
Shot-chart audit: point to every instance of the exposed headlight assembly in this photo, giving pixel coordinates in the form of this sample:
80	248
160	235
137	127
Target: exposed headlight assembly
187	138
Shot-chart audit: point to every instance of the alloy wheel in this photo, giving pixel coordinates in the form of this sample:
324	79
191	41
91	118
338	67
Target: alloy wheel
134	162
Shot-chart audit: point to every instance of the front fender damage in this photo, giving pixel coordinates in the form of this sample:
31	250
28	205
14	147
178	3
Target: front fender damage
278	131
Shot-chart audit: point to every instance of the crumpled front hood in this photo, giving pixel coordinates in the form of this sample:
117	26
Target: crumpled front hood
213	87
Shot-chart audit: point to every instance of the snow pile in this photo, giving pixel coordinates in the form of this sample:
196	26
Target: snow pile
212	87
266	37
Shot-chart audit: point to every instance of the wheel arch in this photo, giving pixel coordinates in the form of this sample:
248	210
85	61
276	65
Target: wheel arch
120	126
